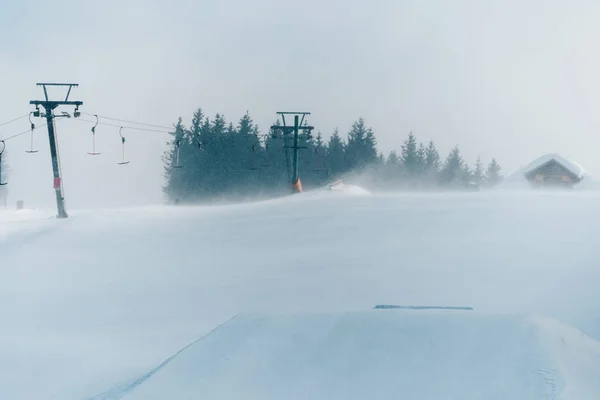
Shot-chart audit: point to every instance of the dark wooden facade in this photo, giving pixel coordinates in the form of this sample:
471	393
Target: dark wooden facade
552	174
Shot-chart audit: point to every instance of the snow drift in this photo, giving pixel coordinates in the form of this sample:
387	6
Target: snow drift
99	300
379	355
340	186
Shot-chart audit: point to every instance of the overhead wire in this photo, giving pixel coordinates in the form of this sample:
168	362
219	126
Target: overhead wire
127	121
125	127
22	133
13	120
163	129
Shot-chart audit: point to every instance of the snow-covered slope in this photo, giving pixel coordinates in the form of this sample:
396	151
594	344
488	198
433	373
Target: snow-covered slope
96	301
384	355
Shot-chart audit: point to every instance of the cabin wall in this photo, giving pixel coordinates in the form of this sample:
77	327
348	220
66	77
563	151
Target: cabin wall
552	174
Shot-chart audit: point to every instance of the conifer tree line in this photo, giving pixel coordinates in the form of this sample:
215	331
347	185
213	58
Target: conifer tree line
215	159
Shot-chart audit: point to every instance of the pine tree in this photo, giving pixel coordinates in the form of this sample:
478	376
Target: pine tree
432	165
392	175
370	151
319	141
493	173
361	147
478	172
410	156
211	174
355	141
277	174
421	165
175	186
452	171
219	127
320	159
195	128
248	156
393	158
432	159
467	174
193	155
336	155
203	187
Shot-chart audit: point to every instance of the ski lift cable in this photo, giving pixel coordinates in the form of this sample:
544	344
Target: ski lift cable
14	120
22	133
127	121
124	127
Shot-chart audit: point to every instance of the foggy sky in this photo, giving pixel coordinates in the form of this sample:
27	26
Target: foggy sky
504	79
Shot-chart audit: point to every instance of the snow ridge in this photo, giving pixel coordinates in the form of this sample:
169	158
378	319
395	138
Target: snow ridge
117	393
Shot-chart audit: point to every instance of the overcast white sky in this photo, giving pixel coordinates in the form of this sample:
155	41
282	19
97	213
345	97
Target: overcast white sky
504	78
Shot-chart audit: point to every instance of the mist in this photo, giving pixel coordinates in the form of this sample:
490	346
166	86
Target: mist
504	79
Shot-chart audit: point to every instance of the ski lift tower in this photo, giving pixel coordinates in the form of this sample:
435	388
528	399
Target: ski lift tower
49	107
293	147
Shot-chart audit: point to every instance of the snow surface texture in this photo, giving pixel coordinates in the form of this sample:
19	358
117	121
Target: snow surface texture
379	355
95	302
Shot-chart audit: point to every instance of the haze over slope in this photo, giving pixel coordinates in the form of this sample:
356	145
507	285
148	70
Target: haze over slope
102	298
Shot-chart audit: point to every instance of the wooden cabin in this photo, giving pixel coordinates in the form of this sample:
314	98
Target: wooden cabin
553	171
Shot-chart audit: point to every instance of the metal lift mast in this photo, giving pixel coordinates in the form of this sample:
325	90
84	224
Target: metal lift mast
287	131
49	107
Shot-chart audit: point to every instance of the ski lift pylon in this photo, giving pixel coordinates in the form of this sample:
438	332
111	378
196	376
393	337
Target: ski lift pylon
93	152
31	150
123	147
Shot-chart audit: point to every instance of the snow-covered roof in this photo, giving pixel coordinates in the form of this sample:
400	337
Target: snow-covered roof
573	167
